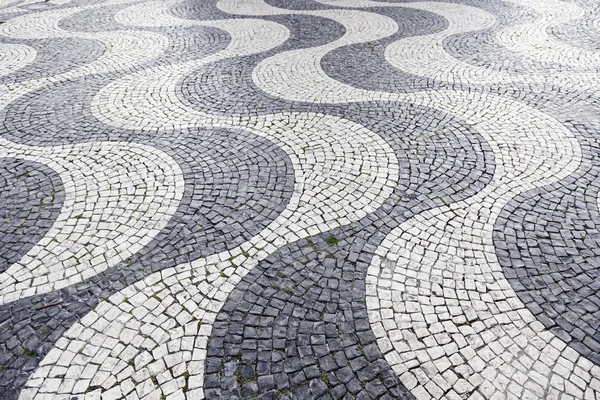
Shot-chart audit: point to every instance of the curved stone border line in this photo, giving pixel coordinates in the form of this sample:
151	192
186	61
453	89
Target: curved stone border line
104	219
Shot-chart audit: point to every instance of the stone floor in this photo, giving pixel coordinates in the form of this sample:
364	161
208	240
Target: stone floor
299	199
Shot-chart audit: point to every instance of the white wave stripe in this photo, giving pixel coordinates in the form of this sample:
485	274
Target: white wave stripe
156	105
273	74
151	95
38	25
45	24
425	55
16	6
118	197
360	26
532	39
151	14
14	57
124	49
129	326
438	301
297	75
7	3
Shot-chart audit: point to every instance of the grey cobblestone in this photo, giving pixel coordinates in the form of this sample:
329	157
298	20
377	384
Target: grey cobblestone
314	199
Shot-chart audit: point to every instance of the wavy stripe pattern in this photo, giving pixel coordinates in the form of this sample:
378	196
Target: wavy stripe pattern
315	199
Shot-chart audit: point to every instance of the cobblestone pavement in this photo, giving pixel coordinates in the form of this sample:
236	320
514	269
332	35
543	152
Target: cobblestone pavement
299	199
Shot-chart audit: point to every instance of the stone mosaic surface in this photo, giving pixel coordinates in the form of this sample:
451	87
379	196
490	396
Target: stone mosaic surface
299	199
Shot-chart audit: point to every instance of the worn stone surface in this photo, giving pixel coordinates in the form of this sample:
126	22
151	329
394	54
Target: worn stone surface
315	199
